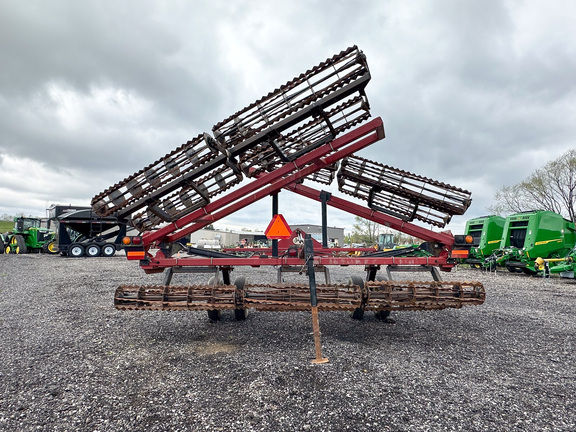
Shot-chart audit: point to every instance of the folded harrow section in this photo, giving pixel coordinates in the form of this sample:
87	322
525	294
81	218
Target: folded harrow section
400	193
305	113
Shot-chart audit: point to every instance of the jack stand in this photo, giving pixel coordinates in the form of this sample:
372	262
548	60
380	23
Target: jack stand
317	345
309	252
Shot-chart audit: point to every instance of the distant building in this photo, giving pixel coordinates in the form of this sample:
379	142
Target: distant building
228	238
253	238
224	238
335	235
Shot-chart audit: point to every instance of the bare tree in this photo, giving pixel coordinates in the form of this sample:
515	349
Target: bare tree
552	187
365	231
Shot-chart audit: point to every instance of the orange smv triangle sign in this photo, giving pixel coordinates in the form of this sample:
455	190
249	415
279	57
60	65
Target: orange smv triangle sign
278	228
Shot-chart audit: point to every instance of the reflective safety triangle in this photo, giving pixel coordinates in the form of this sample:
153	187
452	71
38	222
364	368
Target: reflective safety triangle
278	228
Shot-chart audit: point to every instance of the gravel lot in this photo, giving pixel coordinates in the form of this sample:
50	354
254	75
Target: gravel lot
70	362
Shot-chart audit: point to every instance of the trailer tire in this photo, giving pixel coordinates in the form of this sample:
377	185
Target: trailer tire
76	250
108	250
528	271
358	313
93	250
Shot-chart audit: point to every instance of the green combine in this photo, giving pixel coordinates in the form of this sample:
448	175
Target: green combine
530	235
28	235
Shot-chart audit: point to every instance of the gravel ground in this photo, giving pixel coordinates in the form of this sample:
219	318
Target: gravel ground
70	362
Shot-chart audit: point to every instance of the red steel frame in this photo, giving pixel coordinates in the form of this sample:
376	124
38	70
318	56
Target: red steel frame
287	177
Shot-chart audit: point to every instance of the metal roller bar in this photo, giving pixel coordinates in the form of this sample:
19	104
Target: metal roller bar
400	193
374	215
415	295
343	74
167	297
304	137
188	198
389	295
133	192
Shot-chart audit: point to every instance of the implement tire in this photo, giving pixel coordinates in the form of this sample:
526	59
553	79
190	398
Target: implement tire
358	313
108	250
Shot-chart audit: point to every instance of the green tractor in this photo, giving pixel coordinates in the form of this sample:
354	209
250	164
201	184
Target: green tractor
29	236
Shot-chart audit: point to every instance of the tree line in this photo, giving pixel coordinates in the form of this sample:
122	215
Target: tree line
552	187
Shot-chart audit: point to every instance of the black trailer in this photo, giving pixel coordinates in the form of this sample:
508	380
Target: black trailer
81	232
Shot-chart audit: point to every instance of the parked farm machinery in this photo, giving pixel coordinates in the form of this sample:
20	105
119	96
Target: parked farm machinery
28	235
529	242
481	238
80	232
309	129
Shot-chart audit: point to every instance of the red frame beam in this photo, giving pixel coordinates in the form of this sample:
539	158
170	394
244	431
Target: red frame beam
159	262
286	177
270	183
375	216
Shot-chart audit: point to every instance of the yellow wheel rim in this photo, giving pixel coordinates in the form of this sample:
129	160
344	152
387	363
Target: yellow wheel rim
15	248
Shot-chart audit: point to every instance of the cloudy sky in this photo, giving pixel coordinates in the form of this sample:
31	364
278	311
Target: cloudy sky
477	94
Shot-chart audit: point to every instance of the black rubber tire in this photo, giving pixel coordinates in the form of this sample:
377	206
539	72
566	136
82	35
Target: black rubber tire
93	250
51	248
108	250
382	315
2	247
528	271
76	250
358	313
240	313
214	314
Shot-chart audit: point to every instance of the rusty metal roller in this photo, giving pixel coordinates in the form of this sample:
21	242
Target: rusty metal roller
268	155
301	115
133	193
342	75
400	193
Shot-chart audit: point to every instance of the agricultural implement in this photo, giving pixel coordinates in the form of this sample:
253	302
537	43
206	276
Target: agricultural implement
530	235
564	267
481	238
307	130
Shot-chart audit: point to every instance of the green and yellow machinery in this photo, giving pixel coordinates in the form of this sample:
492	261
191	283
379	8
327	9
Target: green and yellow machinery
530	235
481	237
29	235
